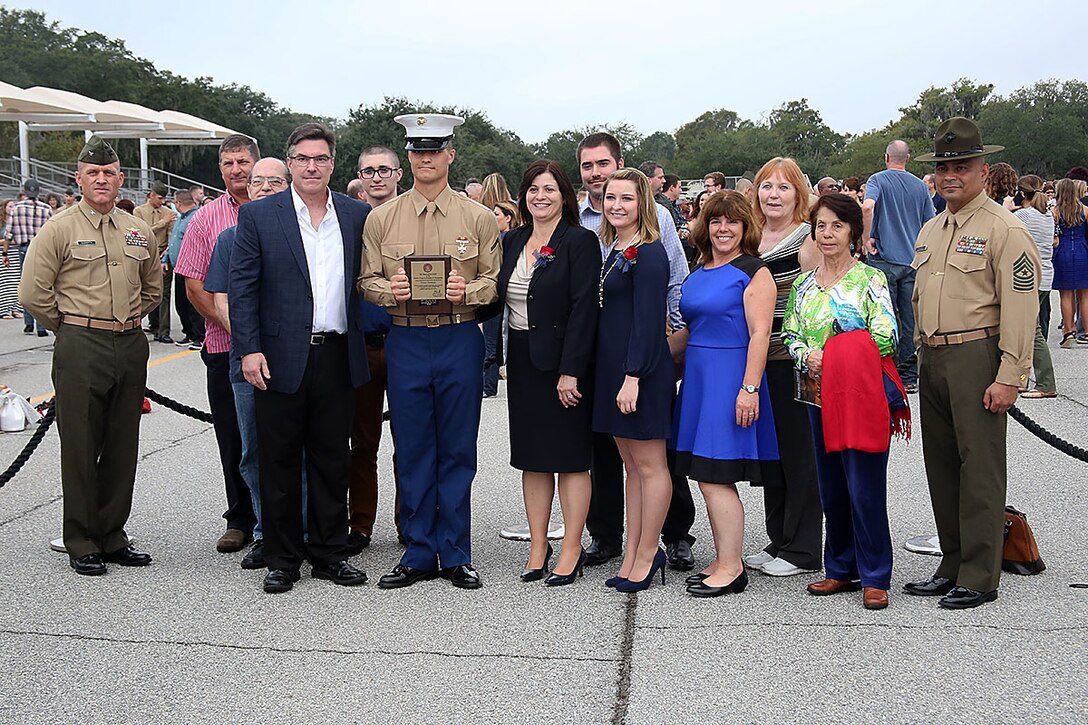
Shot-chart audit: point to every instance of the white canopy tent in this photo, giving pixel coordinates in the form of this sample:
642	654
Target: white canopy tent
52	109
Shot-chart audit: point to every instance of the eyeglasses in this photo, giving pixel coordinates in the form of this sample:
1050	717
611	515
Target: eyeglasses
322	160
383	172
272	181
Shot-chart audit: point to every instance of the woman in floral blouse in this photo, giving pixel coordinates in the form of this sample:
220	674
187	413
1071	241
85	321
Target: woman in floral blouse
840	329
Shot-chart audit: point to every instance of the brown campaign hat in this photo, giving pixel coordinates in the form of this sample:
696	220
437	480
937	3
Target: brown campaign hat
958	138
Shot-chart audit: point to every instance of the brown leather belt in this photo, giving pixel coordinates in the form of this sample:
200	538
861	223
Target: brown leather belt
956	338
432	320
95	324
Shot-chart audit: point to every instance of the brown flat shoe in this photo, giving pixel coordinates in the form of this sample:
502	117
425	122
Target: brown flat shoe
832	586
1038	394
232	540
874	598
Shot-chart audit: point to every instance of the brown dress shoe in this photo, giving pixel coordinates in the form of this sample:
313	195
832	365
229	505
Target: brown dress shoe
874	598
232	540
832	586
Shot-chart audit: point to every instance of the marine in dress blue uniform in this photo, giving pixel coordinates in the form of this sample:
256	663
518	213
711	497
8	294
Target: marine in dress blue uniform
434	360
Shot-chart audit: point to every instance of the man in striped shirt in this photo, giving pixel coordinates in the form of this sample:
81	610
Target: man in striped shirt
237	155
27	217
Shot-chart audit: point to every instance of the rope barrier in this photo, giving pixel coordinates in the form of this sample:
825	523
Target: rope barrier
1047	437
178	407
31	445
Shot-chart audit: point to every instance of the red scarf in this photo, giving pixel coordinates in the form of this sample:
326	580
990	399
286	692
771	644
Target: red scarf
855	408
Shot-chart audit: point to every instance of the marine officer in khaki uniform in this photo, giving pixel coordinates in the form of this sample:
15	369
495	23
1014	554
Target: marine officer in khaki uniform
975	304
434	360
161	218
90	275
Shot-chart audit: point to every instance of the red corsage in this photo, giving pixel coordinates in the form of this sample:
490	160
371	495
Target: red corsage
544	257
629	257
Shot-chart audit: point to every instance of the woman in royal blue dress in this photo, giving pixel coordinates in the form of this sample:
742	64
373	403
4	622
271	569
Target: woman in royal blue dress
723	429
635	379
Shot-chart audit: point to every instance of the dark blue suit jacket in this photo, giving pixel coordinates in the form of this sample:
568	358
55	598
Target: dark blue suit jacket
271	303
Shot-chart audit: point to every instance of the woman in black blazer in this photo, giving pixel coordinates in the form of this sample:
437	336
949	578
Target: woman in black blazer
548	291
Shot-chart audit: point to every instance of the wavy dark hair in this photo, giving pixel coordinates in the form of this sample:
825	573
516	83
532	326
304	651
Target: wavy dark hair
566	190
843	207
733	206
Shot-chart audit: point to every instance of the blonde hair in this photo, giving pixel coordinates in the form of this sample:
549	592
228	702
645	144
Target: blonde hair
648	229
1068	208
510	210
494	190
792	173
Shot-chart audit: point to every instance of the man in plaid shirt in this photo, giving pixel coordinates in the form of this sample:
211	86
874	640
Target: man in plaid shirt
27	217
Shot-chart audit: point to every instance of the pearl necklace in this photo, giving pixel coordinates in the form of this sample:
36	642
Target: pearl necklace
606	272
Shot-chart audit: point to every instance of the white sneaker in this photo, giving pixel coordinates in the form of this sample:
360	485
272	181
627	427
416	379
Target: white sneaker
926	544
781	567
756	561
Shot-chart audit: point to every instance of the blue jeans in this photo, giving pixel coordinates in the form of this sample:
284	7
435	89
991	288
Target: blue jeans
492	330
249	467
901	288
28	319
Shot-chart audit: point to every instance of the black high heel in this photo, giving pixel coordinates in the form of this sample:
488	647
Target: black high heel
658	564
558	580
532	575
736	586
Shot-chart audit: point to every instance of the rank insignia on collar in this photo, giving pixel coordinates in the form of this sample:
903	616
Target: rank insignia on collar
971	245
1023	274
921	248
135	238
462	245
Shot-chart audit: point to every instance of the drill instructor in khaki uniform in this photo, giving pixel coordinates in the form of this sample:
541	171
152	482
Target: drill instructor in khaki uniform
434	360
161	219
90	275
975	303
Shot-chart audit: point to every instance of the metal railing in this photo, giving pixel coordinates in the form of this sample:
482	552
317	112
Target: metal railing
57	176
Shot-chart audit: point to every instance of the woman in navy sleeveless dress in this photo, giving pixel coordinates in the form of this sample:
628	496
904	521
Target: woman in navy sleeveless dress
635	378
723	428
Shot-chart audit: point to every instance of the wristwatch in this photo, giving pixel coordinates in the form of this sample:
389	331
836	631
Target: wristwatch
753	389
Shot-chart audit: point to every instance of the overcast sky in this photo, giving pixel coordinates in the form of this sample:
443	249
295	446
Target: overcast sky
539	66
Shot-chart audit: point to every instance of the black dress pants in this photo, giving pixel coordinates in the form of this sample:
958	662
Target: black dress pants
315	420
795	518
605	520
239	513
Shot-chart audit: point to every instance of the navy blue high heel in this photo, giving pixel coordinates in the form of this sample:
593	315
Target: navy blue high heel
611	582
558	580
532	575
658	564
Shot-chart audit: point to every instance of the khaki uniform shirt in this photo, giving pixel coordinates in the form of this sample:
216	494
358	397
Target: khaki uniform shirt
979	268
160	223
451	225
92	265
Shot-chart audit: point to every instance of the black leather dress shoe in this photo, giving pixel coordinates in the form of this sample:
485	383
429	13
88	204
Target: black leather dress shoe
598	552
964	598
277	581
88	565
680	556
703	590
357	542
128	556
405	576
463	577
254	559
341	573
933	587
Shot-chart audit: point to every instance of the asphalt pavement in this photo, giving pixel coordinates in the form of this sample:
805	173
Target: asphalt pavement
194	639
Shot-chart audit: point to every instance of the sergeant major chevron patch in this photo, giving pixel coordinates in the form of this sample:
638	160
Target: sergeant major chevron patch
1023	274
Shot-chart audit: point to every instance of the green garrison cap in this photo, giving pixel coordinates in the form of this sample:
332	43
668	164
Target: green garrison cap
97	152
159	188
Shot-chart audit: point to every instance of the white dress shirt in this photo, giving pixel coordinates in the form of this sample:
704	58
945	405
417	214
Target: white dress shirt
325	261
